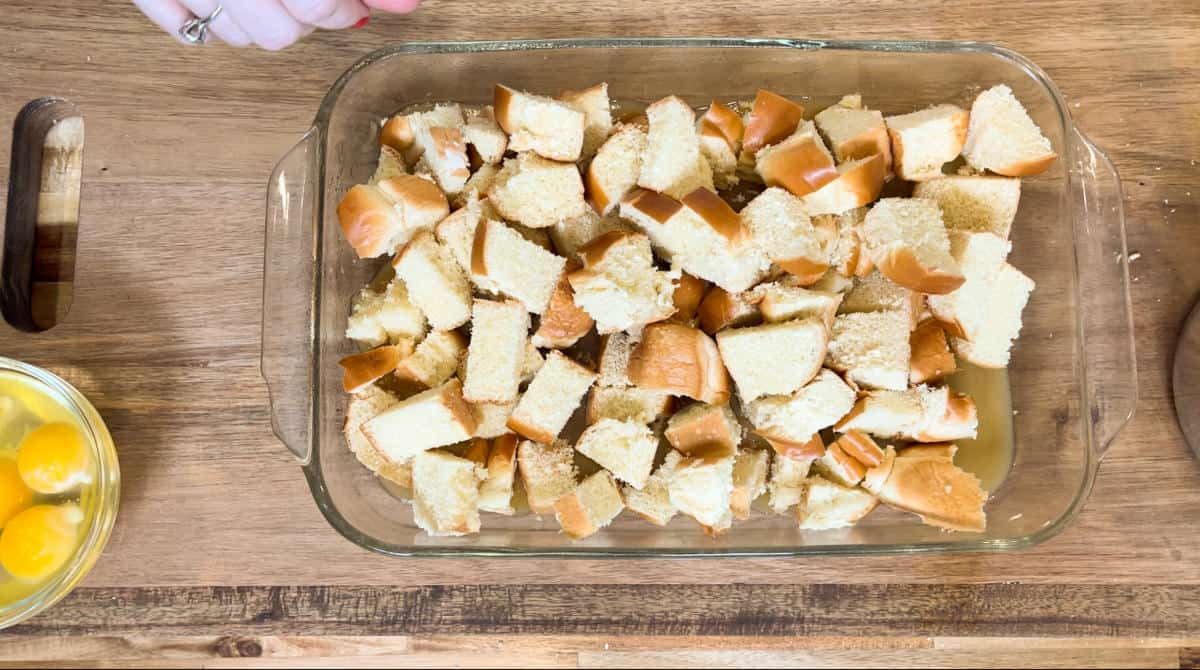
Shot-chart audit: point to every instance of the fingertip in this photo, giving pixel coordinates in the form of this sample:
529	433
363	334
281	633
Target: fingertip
394	6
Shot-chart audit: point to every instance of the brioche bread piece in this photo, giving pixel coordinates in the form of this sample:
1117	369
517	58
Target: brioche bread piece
791	421
834	282
780	301
545	126
434	418
499	336
985	313
705	430
457	234
496	492
477	186
597	115
364	406
377	317
537	192
680	360
390	164
935	489
377	219
564	322
627	403
547	472
438	135
363	369
482	132
750	469
861	447
855	133
827	505
436	284
653	501
876	293
434	360
858	183
977	204
446	493
397	134
942	450
491	418
625	448
1003	139
615	350
516	266
619	286
772	118
925	140
571	235
813	449
847	254
672	162
721	131
786	484
686	298
909	244
614	170
871	348
781	226
801	163
721	309
920	414
551	398
594	503
702	488
931	356
774	358
839	466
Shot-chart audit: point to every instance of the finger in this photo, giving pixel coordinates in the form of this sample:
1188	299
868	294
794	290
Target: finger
268	23
394	6
168	14
224	27
329	14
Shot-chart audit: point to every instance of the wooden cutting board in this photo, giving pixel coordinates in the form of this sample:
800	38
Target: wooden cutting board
163	336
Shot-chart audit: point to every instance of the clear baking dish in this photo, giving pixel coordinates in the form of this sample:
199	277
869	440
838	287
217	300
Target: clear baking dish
1072	377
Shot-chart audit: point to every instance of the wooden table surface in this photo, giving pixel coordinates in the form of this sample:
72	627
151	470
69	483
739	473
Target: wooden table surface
219	552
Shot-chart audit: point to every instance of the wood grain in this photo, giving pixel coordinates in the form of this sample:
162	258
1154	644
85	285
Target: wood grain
163	335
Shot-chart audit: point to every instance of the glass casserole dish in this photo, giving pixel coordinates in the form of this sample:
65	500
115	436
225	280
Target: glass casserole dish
1072	376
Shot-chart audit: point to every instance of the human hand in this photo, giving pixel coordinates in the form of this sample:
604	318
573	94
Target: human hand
270	24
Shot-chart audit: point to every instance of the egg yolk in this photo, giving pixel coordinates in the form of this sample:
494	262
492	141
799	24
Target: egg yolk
38	541
53	458
15	496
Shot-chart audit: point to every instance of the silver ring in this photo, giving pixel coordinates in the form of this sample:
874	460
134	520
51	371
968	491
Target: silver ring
195	31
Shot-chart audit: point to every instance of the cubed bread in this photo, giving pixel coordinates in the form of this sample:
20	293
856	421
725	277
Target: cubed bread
537	192
625	448
545	126
491	418
531	363
653	501
833	281
672	162
619	286
446	493
516	266
377	219
858	183
721	309
793	420
547	472
390	164
984	314
941	493
362	407
477	186
839	466
871	348
801	163
780	301
434	418
942	450
750	470
855	133
436	284
615	350
482	132
594	503
377	317
614	170
499	335
974	203
687	296
551	399
885	413
397	134
702	488
772	118
701	429
774	358
877	293
627	403
925	140
1003	139
827	505
457	234
362	369
909	244
434	360
785	487
861	447
847	254
572	235
496	491
438	135
931	356
802	451
782	227
680	360
563	323
721	131
597	115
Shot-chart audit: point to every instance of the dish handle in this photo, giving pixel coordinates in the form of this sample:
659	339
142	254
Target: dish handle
289	298
1108	336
